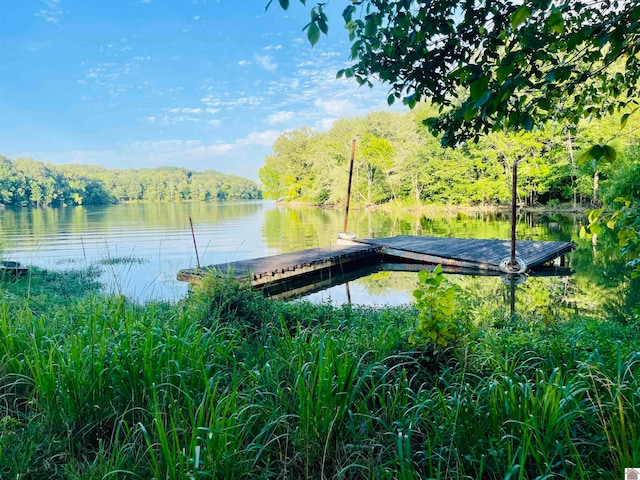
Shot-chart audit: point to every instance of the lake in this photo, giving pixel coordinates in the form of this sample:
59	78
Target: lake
140	248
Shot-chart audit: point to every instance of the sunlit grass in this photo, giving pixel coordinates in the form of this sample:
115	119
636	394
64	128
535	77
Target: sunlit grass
229	385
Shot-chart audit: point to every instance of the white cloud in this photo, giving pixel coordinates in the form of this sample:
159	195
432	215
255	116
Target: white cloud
279	117
266	62
241	157
242	63
211	101
241	100
336	107
325	124
263	139
192	111
52	11
197	17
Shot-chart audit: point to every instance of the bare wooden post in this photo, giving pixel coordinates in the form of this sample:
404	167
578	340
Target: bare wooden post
346	212
514	183
348	293
194	243
512	295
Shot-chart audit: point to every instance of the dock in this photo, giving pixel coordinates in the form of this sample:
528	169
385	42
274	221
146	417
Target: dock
479	256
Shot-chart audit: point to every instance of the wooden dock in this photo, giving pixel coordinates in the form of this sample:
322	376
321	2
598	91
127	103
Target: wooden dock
468	255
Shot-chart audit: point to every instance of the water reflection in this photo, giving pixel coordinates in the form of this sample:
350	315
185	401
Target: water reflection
159	234
382	281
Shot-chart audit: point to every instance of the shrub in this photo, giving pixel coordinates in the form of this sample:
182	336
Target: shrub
442	313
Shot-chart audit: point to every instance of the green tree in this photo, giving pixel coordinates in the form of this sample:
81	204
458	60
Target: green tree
286	173
499	65
375	155
8	181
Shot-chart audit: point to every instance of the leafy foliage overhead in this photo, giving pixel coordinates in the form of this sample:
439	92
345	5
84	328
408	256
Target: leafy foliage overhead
495	64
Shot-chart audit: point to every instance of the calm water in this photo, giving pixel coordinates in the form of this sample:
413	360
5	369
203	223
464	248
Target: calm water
158	238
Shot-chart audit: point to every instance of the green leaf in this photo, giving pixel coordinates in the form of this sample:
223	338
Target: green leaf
555	22
284	4
504	71
371	26
410	101
323	25
485	98
595	228
478	87
527	122
626	201
347	13
609	153
594	215
596	152
623	120
520	16
583	232
584	156
355	49
313	33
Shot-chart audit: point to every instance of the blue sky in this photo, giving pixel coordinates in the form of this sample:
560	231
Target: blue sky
204	84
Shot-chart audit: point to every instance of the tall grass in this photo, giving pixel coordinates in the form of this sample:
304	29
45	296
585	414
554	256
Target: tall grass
229	385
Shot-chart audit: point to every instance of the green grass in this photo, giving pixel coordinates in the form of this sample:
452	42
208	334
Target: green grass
226	384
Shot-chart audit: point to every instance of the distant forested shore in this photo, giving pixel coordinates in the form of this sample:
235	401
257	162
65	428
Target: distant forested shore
27	182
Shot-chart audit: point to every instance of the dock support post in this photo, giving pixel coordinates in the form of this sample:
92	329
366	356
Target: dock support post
514	193
513	264
346	212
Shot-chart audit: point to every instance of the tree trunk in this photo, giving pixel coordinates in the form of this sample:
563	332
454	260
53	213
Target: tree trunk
573	170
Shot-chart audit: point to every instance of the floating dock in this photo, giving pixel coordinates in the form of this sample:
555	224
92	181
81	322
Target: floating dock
469	252
454	254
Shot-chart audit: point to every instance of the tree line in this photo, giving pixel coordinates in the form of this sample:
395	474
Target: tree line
27	182
397	160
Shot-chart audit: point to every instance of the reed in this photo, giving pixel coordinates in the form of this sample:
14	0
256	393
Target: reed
230	385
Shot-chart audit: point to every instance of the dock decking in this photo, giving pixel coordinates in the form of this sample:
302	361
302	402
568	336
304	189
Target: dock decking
275	268
469	254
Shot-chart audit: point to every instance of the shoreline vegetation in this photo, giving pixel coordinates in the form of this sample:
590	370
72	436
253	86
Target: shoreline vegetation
390	207
228	384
